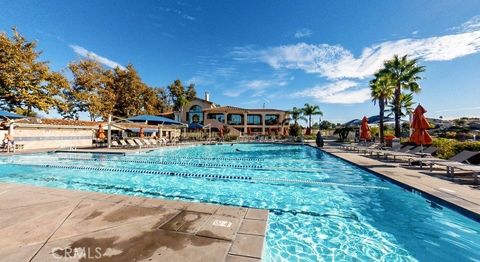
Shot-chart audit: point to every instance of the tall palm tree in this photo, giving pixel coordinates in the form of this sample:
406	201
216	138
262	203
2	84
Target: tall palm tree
405	74
406	105
296	115
382	90
310	110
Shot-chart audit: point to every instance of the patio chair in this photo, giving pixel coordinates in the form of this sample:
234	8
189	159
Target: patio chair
366	149
131	143
460	160
139	142
123	143
146	142
382	151
115	144
154	142
402	151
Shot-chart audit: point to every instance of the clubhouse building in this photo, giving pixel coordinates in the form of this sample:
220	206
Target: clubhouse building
240	121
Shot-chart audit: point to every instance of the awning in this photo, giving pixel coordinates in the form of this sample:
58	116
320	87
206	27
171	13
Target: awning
9	115
154	120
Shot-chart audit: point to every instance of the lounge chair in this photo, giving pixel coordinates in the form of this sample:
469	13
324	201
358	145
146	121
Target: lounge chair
154	142
115	144
131	143
140	142
356	147
402	151
378	152
459	160
123	143
146	142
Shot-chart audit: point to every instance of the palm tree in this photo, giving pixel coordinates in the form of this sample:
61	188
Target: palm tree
406	105
310	110
405	74
382	90
296	115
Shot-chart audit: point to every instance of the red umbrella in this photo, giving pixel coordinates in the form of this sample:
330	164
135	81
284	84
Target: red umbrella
420	136
365	130
101	132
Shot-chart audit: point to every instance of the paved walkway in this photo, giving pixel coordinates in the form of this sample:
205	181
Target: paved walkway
462	196
46	224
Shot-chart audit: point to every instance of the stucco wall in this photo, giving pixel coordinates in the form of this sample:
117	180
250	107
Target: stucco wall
186	108
52	137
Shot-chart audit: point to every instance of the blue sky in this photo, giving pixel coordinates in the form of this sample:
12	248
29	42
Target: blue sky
281	53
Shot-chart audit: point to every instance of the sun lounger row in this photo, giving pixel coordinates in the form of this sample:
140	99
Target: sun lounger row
141	142
422	156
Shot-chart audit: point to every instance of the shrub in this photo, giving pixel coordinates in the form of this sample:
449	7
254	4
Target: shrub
229	138
343	132
295	130
450	147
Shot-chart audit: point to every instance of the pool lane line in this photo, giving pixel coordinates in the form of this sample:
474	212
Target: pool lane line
276	211
202	158
164	162
143	171
207	176
317	182
210	165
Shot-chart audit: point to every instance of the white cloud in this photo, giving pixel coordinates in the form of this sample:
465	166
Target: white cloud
471	25
339	92
88	54
415	32
303	33
257	86
336	62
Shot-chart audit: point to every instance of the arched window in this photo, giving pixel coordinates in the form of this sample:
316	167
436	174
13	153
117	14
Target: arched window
195	114
195	108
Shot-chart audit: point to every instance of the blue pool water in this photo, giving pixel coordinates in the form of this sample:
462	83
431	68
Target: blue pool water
321	208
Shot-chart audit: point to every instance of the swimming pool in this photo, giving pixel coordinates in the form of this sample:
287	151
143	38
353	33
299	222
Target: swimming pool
321	208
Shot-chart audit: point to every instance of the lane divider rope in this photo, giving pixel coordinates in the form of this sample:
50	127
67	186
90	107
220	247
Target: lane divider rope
255	167
302	181
146	171
208	176
176	157
163	162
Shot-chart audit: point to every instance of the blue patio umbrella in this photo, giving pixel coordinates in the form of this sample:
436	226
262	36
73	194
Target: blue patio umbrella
9	115
154	120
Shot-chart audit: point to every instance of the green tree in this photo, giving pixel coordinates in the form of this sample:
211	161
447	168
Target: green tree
404	73
296	114
27	84
91	89
382	90
309	111
326	125
162	100
406	105
179	96
130	92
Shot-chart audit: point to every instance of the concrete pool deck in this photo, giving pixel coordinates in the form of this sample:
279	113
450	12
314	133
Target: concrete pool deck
49	224
463	197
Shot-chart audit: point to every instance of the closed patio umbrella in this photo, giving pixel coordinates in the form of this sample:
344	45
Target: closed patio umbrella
365	130
101	133
420	136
